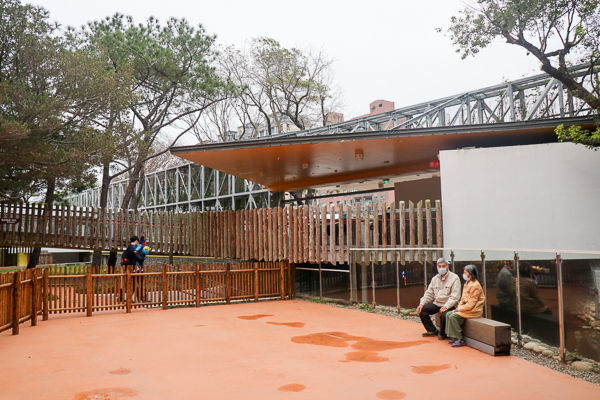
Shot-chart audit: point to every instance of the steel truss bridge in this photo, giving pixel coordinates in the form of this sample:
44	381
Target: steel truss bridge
535	97
193	187
188	187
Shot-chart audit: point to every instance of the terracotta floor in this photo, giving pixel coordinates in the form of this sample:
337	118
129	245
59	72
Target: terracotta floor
280	350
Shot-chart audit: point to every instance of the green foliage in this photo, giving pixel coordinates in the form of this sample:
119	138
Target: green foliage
576	134
557	33
317	300
366	307
51	94
406	312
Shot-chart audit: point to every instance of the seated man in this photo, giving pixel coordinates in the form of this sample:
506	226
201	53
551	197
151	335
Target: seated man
441	296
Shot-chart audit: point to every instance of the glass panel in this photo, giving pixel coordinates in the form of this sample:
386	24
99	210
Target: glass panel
581	281
385	284
336	285
307	282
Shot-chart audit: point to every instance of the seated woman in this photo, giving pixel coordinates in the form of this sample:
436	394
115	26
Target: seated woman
470	306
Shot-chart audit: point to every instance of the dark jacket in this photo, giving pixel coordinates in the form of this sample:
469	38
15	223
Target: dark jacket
131	257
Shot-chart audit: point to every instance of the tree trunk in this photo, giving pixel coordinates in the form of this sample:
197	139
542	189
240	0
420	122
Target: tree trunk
34	256
97	256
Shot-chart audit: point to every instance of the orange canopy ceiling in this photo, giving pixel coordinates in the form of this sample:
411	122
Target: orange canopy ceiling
294	163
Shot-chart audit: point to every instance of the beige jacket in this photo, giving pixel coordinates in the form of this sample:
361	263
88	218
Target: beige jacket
471	304
442	293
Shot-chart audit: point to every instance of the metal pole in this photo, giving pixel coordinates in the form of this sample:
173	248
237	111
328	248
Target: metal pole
373	278
561	312
485	301
519	333
398	281
452	260
320	282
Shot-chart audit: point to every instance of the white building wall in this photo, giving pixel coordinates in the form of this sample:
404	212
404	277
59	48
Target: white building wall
543	196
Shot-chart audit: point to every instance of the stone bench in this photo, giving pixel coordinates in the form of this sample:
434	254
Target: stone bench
491	337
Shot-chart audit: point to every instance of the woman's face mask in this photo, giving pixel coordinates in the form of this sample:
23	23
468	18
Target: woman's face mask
465	277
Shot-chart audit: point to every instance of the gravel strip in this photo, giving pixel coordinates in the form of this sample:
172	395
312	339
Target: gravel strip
516	351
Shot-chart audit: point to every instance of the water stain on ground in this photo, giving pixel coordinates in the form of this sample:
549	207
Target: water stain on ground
367	347
290	324
390	395
106	394
429	369
254	317
120	371
292	387
364	356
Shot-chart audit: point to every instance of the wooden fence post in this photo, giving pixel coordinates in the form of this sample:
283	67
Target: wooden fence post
34	297
281	280
16	301
45	294
197	285
165	288
228	283
89	291
128	289
255	282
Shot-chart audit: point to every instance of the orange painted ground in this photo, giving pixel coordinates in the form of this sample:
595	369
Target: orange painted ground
267	350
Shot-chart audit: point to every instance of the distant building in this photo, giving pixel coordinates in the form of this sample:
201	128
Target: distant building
378	107
335	118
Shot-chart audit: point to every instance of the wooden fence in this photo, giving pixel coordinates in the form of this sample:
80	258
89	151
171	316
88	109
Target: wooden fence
297	234
24	295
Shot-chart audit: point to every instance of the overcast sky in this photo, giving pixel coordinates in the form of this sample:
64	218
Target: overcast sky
384	50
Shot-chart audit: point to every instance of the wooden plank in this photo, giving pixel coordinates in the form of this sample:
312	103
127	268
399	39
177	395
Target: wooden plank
255	234
284	232
438	226
384	226
367	226
429	227
340	256
280	240
375	223
311	235
402	227
420	229
261	237
305	226
393	239
317	216
348	234
323	234
412	229
16	302
294	234
38	224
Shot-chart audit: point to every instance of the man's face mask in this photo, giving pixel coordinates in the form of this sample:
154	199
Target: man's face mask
442	270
